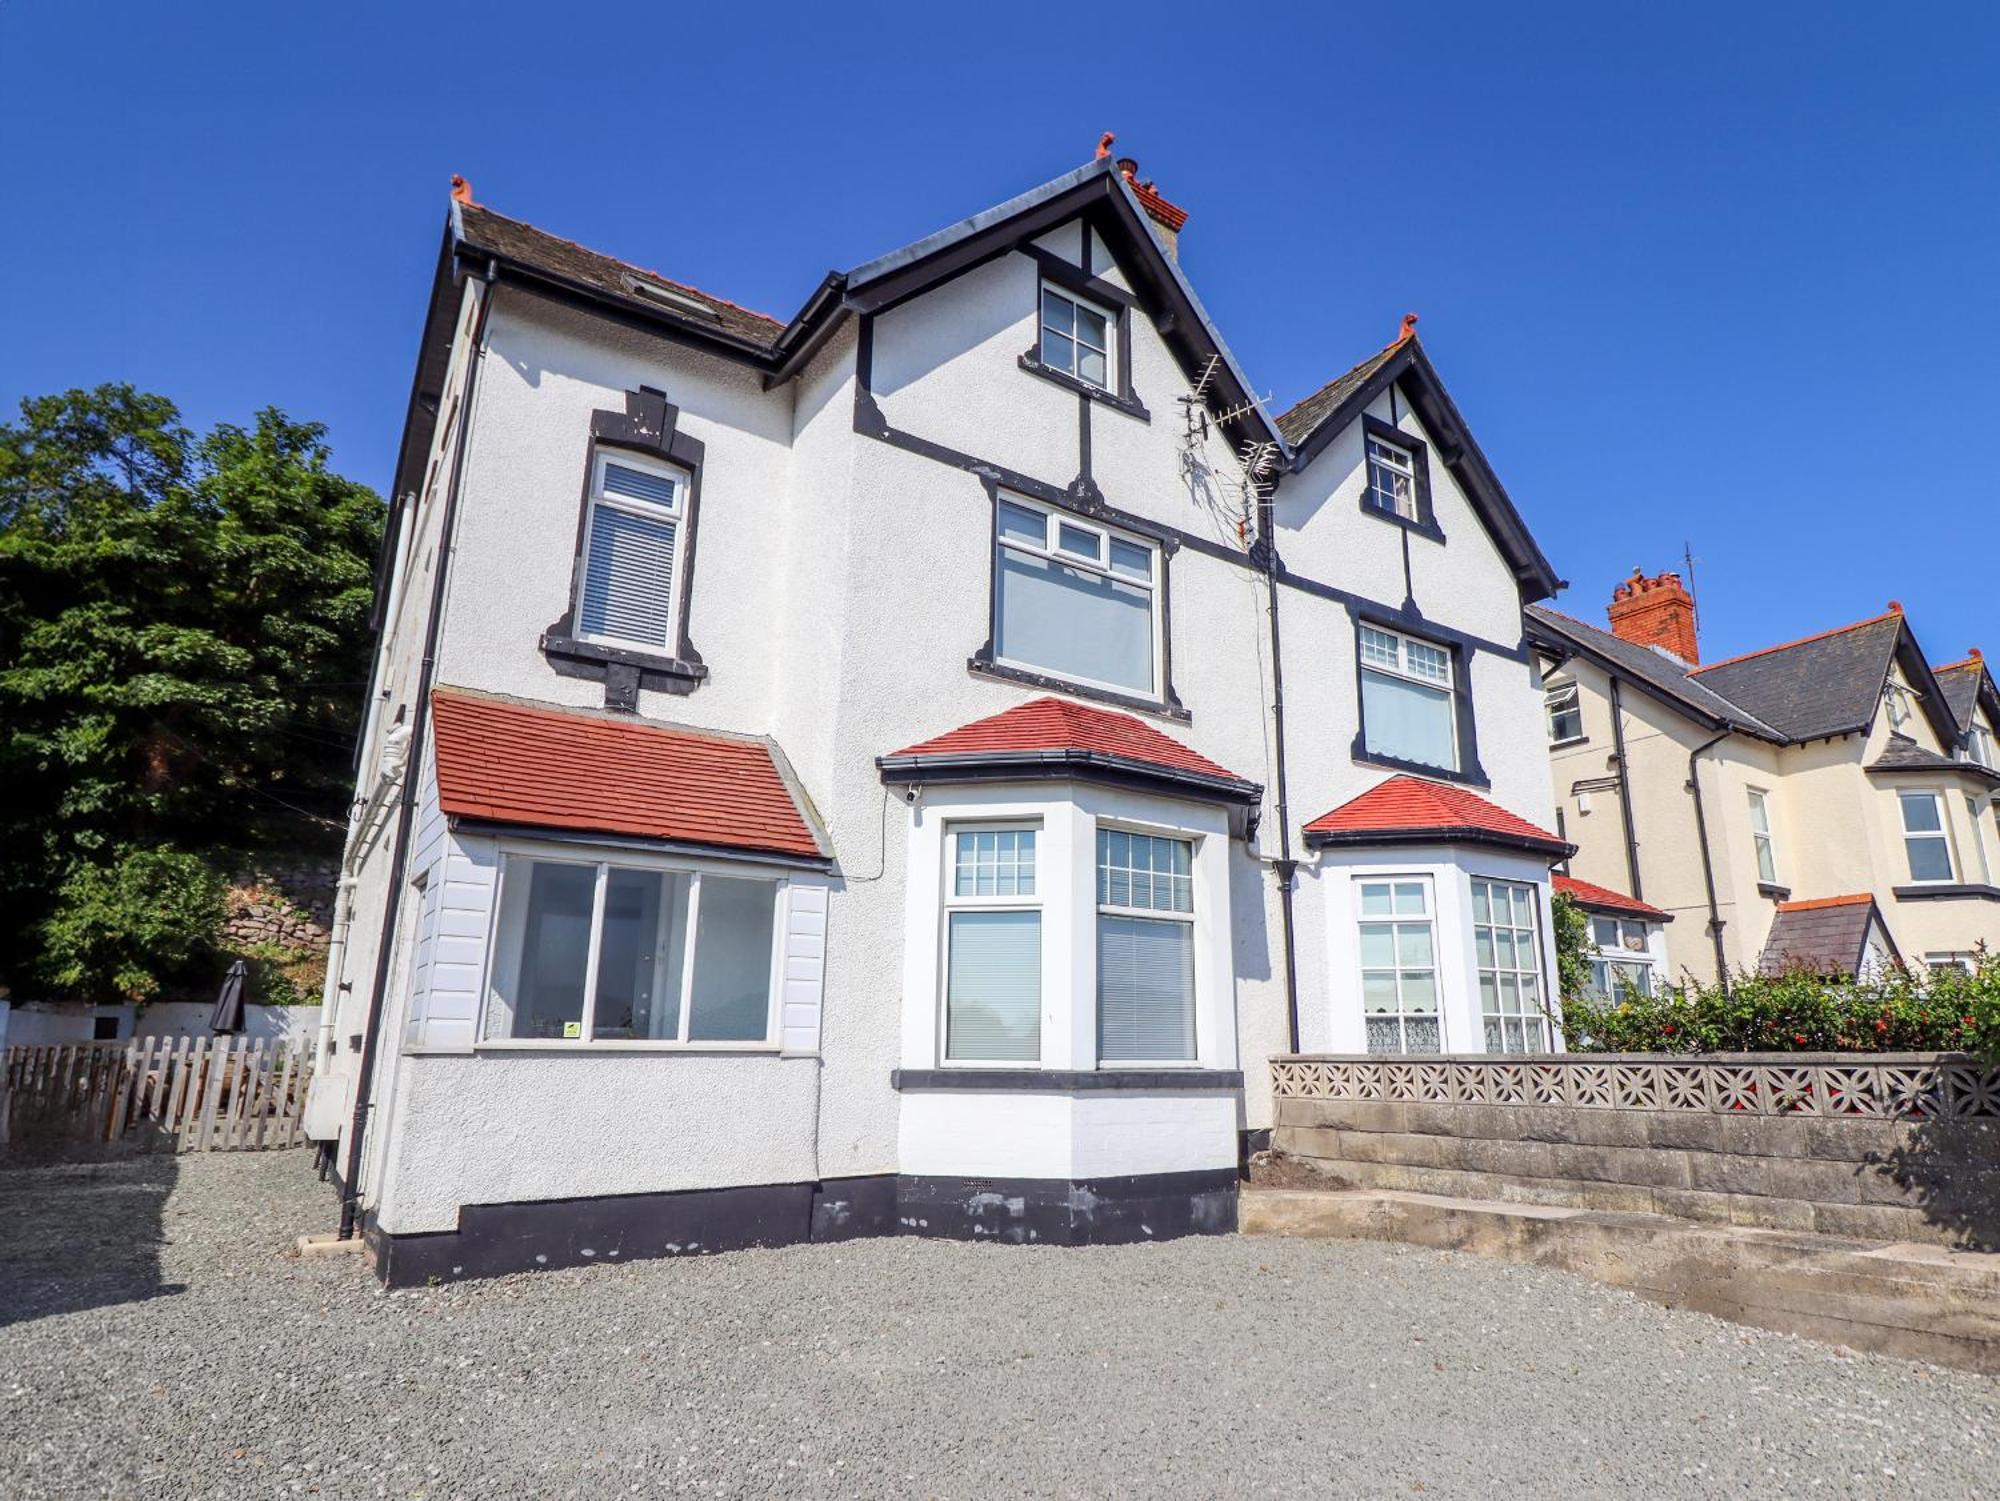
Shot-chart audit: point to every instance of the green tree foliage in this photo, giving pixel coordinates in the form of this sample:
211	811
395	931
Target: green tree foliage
1900	1010
183	647
1572	934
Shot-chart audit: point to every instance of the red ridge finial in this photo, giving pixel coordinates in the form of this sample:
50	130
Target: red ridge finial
1895	607
461	189
1409	328
1104	144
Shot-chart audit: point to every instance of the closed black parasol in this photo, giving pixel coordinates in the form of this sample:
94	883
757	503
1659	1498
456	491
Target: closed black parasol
228	1013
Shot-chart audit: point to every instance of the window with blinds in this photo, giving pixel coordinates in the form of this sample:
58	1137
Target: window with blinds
993	947
1145	948
631	553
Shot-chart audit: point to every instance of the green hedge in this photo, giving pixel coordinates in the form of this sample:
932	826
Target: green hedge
1902	1011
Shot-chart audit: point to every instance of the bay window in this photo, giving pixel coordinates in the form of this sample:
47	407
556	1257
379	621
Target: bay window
1926	841
632	552
1076	599
1399	976
1145	948
1409	709
993	947
595	951
1509	964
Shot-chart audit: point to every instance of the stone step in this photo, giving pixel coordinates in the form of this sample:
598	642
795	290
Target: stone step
1874	1221
1920	1302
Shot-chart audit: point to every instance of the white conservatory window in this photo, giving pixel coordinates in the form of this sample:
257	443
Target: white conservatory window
1925	838
1621	961
1075	599
1510	985
1145	949
591	951
1392	479
1076	337
1399	980
632	552
1760	836
1565	711
1408	707
993	946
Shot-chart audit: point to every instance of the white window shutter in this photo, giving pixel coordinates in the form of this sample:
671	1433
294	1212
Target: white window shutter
804	965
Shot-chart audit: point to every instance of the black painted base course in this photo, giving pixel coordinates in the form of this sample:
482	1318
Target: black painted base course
494	1239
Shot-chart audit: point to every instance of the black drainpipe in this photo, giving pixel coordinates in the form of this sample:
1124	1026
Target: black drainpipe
1708	865
1287	868
1625	793
364	1077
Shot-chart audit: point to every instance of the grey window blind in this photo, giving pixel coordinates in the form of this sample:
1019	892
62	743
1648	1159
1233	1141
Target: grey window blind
993	1007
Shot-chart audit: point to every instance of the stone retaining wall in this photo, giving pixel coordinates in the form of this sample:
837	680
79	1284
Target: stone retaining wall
1900	1148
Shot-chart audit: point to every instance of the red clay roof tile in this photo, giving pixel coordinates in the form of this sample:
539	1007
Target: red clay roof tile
543	767
1403	806
1604	899
1053	724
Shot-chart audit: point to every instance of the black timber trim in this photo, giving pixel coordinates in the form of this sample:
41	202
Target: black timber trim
959	767
639	843
1426	523
1460	648
1947	891
1069	1212
1555	849
1064	1081
649	425
1114	300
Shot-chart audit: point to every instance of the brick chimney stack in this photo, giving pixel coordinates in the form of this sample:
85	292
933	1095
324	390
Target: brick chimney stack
1655	611
1168	218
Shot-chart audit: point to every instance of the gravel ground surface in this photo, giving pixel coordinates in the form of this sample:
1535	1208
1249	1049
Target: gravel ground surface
157	1340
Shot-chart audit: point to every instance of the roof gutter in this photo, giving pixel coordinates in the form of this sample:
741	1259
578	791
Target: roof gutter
1715	924
1551	849
1037	765
364	1079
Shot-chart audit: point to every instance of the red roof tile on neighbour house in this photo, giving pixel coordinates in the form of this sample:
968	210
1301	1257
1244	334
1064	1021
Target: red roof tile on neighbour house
1604	899
509	762
1407	809
1053	724
1854	899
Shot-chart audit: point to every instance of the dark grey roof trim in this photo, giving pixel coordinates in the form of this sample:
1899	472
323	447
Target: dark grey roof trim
1059	765
1905	757
1444	834
542	834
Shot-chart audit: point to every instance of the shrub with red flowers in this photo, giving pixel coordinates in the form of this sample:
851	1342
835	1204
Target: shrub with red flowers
1901	1010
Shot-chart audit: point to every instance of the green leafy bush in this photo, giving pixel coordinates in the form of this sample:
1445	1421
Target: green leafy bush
119	927
1901	1010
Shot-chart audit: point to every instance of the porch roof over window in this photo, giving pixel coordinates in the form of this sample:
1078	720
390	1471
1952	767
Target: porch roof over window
1595	898
1053	738
534	766
1409	810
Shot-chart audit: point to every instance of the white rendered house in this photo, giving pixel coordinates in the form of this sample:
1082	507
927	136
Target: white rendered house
864	774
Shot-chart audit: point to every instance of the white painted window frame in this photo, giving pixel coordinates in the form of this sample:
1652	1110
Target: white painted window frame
678	513
1054	520
1763	840
950	902
1399	463
1624	956
1401	669
1101	909
514	852
1557	700
1075	370
1942	832
1364	919
1542	1007
1979	748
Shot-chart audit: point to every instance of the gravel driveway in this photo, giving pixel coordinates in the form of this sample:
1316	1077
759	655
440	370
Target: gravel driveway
156	1340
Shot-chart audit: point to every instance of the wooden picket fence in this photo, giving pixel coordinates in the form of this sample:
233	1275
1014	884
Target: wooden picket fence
180	1094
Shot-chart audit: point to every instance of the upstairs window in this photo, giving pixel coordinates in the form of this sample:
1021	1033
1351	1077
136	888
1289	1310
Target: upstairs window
1076	337
1399	980
1145	949
1075	599
1565	711
1392	478
1408	704
1925	839
1760	837
632	549
1979	748
993	947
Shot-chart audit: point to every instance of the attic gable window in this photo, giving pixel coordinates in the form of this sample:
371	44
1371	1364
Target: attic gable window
1392	479
632	552
1076	337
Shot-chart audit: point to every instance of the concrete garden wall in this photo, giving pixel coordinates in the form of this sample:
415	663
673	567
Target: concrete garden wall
1899	1147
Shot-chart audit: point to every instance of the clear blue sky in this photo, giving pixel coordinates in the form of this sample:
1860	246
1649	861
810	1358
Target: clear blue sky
1723	274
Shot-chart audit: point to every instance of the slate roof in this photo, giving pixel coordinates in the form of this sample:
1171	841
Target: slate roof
1827	935
1409	810
1298	421
1960	681
1595	898
1827	684
1903	754
1654	669
501	760
538	250
1049	734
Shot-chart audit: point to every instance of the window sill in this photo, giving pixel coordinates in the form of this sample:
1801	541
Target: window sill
559	1045
1774	891
1942	891
986	667
1573	740
573	649
1065	1081
1418	769
1423	527
1128	404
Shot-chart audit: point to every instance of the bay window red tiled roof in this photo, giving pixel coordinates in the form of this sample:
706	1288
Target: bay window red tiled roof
503	761
1409	810
1055	734
1603	899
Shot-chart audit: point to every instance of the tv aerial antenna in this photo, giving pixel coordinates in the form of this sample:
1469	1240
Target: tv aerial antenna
1257	459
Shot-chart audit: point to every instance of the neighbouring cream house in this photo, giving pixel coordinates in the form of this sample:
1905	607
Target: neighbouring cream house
907	767
1828	802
